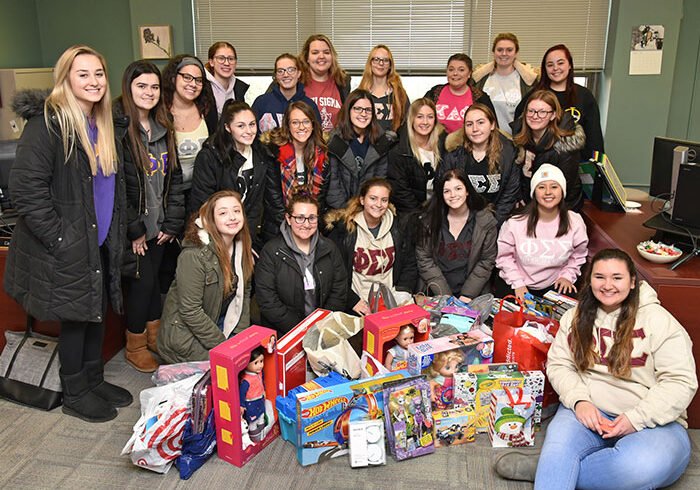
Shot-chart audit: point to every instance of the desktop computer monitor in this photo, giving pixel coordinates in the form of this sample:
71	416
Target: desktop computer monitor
662	163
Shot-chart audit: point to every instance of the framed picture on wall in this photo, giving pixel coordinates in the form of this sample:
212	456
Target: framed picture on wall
156	42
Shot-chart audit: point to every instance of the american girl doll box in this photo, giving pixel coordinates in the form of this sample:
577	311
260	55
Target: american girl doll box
439	359
388	333
323	415
291	358
244	385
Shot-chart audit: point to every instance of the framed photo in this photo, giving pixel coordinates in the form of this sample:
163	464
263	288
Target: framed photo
156	42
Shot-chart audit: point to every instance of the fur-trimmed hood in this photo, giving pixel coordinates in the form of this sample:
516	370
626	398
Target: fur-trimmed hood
527	72
574	142
30	103
345	216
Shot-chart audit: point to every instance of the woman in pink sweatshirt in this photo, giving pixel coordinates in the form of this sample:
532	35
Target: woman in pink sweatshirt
544	246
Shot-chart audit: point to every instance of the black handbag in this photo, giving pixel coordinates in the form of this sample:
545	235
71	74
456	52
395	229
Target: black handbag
29	369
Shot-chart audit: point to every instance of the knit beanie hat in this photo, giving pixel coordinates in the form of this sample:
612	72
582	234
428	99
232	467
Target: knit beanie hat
547	171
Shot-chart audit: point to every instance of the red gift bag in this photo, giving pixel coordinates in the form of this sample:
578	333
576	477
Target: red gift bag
512	345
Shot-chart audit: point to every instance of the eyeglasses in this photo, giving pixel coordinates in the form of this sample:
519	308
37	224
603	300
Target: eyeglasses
189	78
225	59
359	110
296	123
380	61
538	113
300	220
281	71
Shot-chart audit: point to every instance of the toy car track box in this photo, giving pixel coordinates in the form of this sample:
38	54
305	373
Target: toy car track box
388	333
323	415
454	426
510	418
291	358
439	359
408	418
244	386
287	405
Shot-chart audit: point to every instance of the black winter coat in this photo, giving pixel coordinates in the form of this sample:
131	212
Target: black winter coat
342	180
408	177
214	172
279	284
53	266
404	271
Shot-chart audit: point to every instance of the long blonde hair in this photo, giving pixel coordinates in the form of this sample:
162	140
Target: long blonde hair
72	123
393	80
433	140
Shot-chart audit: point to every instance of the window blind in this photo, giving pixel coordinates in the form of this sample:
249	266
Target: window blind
422	34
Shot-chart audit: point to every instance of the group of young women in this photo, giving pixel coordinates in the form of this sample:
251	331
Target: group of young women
344	190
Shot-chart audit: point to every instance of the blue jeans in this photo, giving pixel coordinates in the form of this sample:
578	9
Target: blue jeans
574	456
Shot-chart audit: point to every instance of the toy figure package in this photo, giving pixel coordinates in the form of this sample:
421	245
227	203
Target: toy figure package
408	418
511	418
454	426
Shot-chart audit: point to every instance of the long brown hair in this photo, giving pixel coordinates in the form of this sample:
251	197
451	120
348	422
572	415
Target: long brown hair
339	76
206	216
344	127
159	113
545	83
354	206
494	144
393	80
525	136
283	135
581	335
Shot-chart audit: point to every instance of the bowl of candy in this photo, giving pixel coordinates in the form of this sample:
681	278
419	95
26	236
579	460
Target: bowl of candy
658	252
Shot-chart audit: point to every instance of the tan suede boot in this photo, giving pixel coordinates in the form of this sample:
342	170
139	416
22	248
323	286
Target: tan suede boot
152	328
137	354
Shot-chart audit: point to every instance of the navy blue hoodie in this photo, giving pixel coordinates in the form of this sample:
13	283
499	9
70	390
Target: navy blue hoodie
269	108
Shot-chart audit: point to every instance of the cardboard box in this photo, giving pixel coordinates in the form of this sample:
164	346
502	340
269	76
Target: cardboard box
381	328
323	415
291	357
454	426
408	418
228	360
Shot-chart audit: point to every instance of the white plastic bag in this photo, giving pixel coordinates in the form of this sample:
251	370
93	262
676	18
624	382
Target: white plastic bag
157	437
370	366
327	347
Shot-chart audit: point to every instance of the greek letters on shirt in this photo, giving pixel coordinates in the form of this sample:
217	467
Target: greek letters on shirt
454	251
606	339
158	164
485	183
268	122
575	113
373	261
454	115
546	251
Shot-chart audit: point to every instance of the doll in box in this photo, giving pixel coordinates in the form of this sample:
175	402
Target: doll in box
397	356
440	373
252	395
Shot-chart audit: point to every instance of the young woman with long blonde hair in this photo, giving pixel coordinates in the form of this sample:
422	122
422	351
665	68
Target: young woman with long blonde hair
381	79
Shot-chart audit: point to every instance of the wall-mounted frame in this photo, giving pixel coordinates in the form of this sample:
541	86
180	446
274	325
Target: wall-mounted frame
156	42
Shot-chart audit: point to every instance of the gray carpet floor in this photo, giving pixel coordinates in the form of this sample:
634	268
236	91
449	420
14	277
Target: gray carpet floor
51	450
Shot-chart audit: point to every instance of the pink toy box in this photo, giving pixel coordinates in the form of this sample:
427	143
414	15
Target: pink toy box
381	329
291	358
228	361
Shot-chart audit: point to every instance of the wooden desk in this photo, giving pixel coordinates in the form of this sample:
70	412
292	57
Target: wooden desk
678	290
14	318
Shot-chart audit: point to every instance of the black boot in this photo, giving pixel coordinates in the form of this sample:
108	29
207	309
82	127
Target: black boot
113	394
79	401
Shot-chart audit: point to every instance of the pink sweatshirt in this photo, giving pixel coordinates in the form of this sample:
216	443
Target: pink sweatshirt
537	262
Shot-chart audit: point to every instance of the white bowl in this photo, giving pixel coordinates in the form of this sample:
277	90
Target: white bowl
656	258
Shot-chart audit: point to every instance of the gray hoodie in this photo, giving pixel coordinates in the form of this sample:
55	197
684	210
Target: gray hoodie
306	265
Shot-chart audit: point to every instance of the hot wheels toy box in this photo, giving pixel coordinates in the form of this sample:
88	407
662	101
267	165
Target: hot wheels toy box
323	415
380	329
228	360
476	347
474	390
454	426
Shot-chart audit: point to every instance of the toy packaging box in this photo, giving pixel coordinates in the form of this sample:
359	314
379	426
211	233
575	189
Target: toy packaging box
236	441
473	390
454	426
408	418
291	357
323	415
381	329
367	446
511	418
440	358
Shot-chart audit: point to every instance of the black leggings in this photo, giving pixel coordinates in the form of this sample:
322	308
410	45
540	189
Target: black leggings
79	342
143	297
